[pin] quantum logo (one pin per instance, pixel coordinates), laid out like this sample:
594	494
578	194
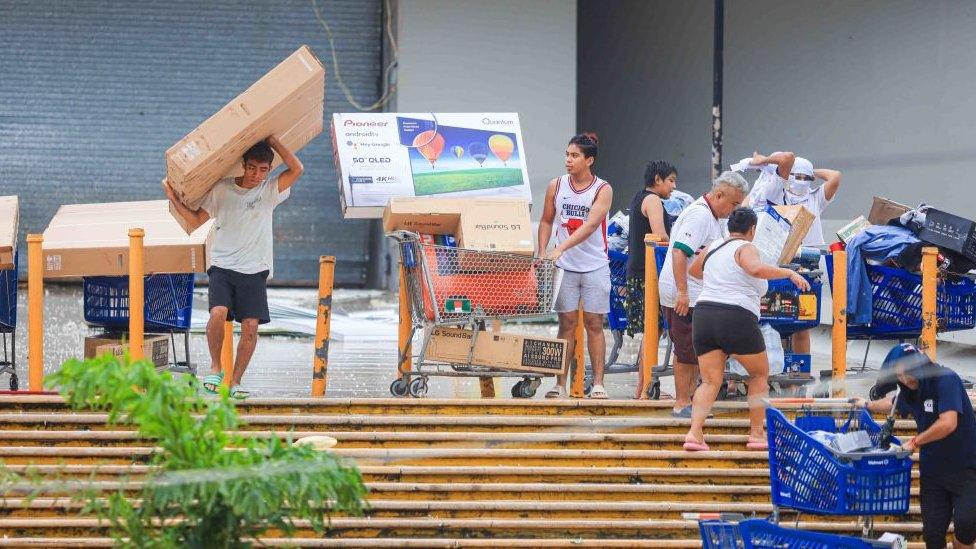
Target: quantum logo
489	122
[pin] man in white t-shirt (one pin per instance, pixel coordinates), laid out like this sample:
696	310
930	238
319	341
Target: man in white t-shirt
697	226
787	179
242	256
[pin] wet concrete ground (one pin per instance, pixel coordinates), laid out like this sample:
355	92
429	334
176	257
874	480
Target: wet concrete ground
282	365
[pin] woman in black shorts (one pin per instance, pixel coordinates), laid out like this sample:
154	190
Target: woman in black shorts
726	322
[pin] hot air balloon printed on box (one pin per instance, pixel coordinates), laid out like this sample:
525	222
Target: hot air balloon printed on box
479	152
430	144
457	151
501	146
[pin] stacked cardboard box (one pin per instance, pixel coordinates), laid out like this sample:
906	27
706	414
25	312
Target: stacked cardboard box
287	102
9	211
154	347
93	240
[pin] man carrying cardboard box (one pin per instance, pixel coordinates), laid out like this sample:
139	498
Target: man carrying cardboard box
580	201
786	179
242	256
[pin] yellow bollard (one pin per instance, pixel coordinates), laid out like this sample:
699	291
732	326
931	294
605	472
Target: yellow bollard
930	320
320	361
137	294
577	390
403	335
839	330
227	353
652	311
35	313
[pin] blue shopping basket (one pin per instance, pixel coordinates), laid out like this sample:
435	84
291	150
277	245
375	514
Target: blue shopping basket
762	533
805	475
617	318
8	297
169	301
787	323
897	304
720	534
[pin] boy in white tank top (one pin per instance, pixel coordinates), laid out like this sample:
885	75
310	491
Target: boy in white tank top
578	203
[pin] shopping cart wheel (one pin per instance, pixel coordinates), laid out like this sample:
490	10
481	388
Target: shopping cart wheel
418	387
654	391
517	389
14	382
398	388
525	388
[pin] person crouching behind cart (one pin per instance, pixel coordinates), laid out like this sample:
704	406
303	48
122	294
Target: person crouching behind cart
579	204
935	396
726	322
242	254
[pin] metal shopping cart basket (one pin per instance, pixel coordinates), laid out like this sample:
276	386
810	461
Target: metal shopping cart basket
449	286
168	307
756	533
8	323
809	476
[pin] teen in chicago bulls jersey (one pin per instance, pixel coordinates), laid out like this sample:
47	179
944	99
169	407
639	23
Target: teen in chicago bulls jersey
577	204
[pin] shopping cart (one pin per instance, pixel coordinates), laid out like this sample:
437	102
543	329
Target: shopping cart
168	307
809	476
897	307
8	323
449	286
755	533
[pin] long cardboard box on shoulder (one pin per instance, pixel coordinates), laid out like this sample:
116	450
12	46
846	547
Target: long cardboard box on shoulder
9	212
93	240
287	102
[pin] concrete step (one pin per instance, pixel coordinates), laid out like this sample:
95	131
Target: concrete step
411	423
486	528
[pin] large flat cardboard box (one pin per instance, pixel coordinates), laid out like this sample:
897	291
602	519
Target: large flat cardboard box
154	347
498	350
780	232
9	212
484	224
93	240
884	210
288	102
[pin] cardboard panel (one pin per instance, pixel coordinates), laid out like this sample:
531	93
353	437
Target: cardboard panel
499	350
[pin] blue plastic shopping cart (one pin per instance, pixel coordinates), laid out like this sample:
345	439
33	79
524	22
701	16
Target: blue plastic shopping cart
168	307
8	323
755	533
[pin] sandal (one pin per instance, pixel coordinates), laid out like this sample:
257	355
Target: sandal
753	443
598	393
238	393
694	446
212	383
557	392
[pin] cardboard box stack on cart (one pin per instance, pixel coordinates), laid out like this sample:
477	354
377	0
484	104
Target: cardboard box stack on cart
287	102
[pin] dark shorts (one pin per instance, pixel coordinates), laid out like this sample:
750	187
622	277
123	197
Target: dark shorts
727	328
948	498
244	295
679	330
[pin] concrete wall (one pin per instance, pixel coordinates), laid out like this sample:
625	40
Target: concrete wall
498	56
881	90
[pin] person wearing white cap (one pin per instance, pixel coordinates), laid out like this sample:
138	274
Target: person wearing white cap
787	179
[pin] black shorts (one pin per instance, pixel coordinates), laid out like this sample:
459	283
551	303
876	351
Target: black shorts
727	328
945	498
244	295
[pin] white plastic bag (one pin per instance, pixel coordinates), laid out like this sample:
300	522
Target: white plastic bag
774	351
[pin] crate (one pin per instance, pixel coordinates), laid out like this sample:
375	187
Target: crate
168	301
8	297
762	533
897	304
805	475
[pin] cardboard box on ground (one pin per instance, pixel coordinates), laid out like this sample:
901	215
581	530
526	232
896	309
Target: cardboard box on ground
9	212
287	102
155	347
93	240
481	224
498	350
780	232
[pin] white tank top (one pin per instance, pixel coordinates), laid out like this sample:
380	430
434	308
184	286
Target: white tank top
726	282
572	209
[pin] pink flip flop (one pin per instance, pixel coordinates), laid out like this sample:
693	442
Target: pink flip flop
692	446
757	444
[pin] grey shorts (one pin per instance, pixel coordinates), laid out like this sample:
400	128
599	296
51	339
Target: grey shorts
593	287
